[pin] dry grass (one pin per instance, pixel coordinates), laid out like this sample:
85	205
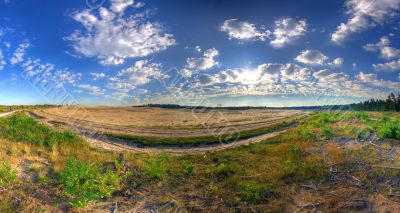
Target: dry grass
156	122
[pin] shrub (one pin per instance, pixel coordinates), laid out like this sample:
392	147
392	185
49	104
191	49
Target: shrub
305	133
327	133
254	192
188	167
83	182
157	168
389	129
223	171
21	128
8	174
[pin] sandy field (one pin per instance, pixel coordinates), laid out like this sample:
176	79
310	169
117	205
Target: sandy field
149	121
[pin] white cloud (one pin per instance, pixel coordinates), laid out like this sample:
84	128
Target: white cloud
204	63
327	75
389	66
2	60
286	30
19	53
186	73
113	38
93	90
365	14
97	76
337	62
241	30
46	73
142	72
119	6
383	48
311	57
206	79
373	79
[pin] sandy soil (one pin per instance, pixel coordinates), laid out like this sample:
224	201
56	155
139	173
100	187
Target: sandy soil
164	122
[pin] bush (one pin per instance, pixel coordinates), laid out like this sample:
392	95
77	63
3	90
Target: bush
157	168
327	133
254	192
389	129
83	182
21	128
8	174
188	167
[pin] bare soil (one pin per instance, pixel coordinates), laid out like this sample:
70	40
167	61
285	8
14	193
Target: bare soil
157	122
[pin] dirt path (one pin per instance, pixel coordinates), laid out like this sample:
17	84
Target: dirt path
7	114
115	144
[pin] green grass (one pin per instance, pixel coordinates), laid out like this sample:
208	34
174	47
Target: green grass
83	182
209	139
21	128
8	175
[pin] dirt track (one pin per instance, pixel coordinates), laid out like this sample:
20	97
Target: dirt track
110	143
156	122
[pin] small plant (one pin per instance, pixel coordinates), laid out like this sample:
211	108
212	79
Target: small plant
188	167
327	133
8	174
83	182
305	133
254	192
157	168
21	128
389	129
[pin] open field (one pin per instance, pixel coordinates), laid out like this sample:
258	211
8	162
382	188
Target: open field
331	162
167	126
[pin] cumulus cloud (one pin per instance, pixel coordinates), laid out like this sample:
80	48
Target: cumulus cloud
119	6
92	90
365	14
142	72
389	66
383	48
327	75
19	53
186	73
373	79
311	57
204	63
242	30
112	37
337	62
97	76
2	60
286	30
47	73
206	79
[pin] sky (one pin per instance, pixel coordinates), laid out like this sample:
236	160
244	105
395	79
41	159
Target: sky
198	52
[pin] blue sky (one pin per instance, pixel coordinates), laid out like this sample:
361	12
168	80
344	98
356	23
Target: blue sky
229	53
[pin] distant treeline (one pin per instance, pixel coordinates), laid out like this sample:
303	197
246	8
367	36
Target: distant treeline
392	103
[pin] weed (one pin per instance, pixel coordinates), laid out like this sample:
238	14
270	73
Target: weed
254	192
188	167
157	168
83	182
327	133
8	175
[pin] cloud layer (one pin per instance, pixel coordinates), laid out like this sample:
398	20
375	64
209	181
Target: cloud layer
112	37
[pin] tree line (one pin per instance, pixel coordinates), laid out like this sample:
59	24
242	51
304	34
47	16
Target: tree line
391	103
